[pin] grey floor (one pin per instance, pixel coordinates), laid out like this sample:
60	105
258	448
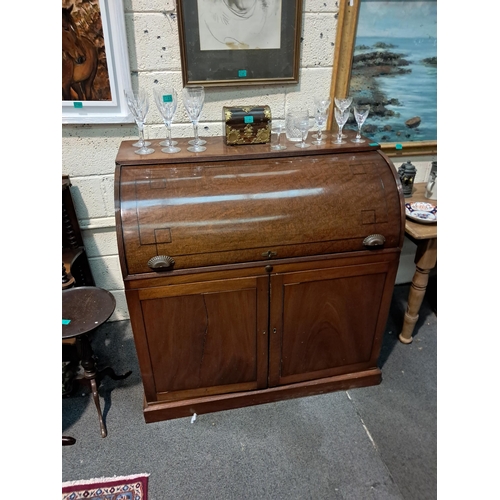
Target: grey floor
371	443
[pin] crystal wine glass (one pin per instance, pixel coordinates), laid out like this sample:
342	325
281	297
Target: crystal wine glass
320	116
138	104
277	126
172	142
302	123
341	118
360	114
194	97
343	104
166	102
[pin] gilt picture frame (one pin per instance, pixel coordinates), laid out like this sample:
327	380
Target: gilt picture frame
239	42
100	97
398	133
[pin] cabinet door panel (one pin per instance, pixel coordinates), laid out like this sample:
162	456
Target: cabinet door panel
204	343
328	324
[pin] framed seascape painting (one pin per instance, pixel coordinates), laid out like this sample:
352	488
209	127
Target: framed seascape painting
239	42
95	68
387	58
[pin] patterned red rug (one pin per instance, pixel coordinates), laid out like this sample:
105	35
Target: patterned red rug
107	488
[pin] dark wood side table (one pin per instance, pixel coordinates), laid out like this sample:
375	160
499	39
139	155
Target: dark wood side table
84	309
425	237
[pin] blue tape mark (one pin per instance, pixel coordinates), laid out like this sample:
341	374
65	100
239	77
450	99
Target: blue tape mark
242	73
373	143
167	98
66	321
248	119
399	146
77	104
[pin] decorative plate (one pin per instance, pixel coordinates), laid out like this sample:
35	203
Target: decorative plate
421	211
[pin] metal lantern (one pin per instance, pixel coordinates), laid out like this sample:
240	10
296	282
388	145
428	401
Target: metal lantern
407	173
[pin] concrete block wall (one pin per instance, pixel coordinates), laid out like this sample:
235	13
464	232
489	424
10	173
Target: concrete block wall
89	151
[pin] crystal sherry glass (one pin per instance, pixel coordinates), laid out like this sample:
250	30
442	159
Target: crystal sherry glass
166	102
302	123
277	127
138	104
360	114
320	116
341	118
194	97
343	104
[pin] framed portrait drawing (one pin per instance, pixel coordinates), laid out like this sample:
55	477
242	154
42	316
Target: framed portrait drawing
239	42
95	68
386	56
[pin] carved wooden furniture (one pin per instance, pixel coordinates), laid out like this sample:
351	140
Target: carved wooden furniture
254	275
425	236
75	264
84	309
75	270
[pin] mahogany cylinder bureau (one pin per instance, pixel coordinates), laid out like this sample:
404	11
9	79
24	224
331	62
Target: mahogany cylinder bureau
254	275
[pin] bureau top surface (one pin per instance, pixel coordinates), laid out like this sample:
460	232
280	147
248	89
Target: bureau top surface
217	150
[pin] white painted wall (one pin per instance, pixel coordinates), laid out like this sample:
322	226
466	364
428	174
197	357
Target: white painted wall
89	151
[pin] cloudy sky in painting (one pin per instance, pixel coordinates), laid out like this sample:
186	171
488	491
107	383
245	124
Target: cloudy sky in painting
398	18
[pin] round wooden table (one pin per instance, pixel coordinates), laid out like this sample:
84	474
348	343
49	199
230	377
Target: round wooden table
84	309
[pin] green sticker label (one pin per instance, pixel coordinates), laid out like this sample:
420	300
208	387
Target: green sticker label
66	321
248	119
167	98
399	146
373	143
78	104
242	73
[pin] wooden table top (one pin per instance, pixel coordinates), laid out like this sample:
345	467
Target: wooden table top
86	307
415	229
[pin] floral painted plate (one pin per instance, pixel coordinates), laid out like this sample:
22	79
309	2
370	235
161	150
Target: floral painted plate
421	211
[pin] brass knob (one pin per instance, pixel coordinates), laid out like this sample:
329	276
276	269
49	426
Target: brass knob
374	240
161	262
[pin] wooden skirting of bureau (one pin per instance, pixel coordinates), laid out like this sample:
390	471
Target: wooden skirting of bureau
254	275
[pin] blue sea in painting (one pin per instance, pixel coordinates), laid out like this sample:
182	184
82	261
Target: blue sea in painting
416	91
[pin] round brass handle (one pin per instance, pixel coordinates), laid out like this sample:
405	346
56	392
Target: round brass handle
161	262
374	240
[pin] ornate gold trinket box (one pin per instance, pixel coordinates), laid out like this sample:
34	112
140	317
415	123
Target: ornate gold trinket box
246	125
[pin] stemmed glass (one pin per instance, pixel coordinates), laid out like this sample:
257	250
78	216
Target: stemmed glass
341	118
138	104
343	104
360	114
320	116
166	102
302	123
194	97
277	127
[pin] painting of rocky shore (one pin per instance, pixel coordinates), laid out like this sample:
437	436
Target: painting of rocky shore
394	70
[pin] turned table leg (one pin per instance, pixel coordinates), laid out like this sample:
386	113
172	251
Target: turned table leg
425	260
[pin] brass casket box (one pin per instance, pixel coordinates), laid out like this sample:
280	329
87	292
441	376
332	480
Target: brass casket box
246	125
